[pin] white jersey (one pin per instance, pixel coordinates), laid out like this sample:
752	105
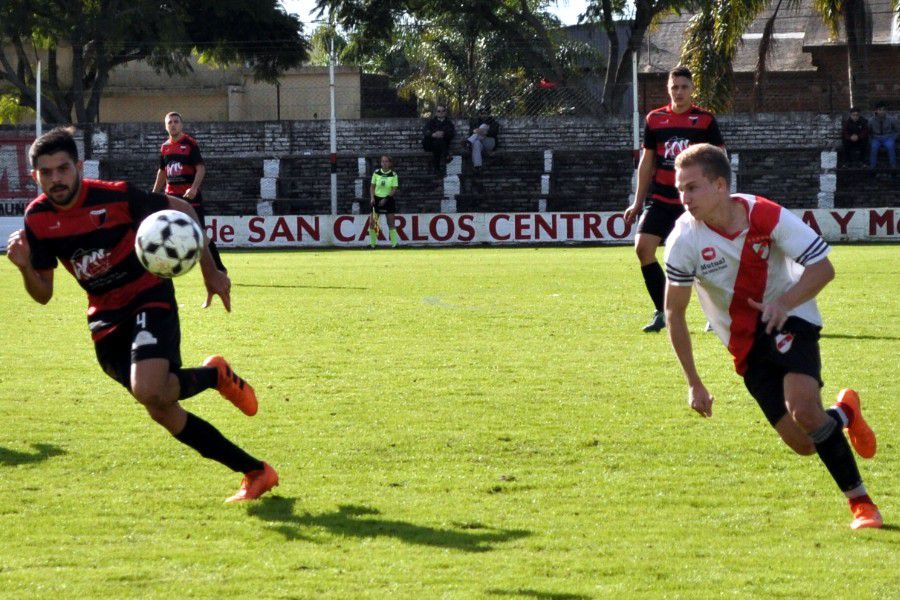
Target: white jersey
761	262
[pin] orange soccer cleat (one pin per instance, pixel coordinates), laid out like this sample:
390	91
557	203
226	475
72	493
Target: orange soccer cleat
256	483
861	435
865	514
233	388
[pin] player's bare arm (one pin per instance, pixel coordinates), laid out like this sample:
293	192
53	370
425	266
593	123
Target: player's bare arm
217	283
199	174
38	284
815	277
677	298
646	167
160	184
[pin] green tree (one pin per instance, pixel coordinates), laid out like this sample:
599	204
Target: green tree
643	14
320	44
713	35
463	52
710	44
83	40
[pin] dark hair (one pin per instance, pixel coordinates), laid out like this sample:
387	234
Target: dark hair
854	109
681	71
880	106
56	140
712	160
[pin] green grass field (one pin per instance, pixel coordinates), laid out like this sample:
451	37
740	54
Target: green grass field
453	423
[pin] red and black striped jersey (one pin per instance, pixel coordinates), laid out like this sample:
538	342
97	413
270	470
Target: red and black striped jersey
179	160
94	240
667	133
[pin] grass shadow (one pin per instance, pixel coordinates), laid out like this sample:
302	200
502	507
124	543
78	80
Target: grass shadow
847	336
526	593
364	522
11	458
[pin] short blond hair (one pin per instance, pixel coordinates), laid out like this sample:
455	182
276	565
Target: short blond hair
712	161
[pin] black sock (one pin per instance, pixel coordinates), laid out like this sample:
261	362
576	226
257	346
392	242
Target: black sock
655	280
835	452
194	381
210	443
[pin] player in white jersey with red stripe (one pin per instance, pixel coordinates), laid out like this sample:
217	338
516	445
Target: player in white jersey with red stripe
757	269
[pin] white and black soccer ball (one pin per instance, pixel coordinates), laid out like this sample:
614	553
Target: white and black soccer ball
168	243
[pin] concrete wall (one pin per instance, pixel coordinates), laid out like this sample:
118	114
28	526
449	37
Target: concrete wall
271	139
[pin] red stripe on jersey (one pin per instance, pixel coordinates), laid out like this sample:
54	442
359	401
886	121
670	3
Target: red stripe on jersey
81	220
119	297
751	280
113	186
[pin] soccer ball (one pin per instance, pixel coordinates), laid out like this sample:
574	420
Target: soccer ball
168	243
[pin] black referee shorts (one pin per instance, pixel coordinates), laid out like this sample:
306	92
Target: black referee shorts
389	206
659	218
794	349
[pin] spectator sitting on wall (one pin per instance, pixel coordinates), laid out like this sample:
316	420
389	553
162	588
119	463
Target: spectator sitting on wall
483	140
855	138
438	134
883	131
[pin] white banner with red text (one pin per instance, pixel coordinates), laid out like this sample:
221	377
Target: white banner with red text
460	229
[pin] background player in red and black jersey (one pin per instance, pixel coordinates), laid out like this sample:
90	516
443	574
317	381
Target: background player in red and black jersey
668	130
90	227
181	172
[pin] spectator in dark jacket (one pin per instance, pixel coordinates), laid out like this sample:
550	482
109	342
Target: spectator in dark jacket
883	131
855	136
438	134
485	130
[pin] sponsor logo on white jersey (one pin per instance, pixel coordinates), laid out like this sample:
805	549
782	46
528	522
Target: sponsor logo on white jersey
708	253
88	264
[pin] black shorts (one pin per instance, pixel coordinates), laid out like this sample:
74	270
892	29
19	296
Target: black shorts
198	208
659	218
389	207
151	333
795	349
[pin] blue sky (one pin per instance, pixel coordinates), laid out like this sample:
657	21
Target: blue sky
566	10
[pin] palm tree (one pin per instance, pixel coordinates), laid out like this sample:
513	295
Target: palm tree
711	41
714	33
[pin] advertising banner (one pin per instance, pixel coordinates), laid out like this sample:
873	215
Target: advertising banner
462	229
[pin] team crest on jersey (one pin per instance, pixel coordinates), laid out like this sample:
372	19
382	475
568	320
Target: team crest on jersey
708	253
761	249
783	342
675	146
88	264
98	217
693	119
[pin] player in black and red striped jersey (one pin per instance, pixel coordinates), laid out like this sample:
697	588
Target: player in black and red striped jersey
90	227
181	172
668	130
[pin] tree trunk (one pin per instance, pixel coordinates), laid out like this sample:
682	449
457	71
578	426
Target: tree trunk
642	19
759	76
858	38
612	55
